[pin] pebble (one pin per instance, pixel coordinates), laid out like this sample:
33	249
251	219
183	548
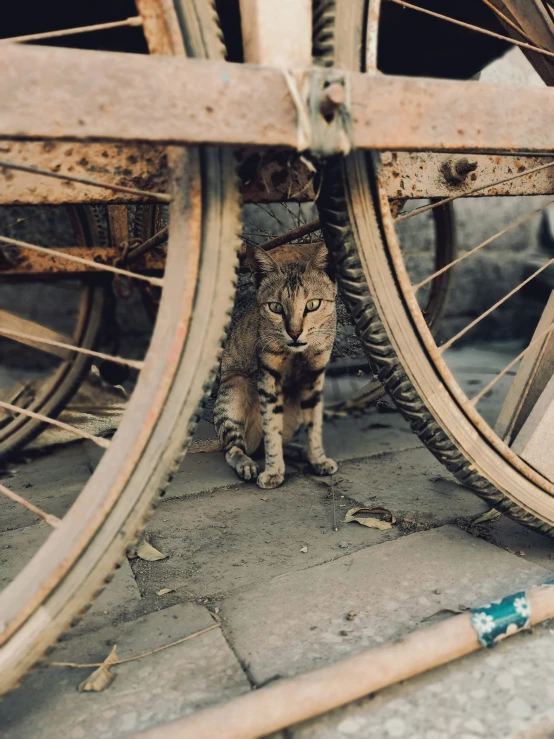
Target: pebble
343	544
395	727
519	708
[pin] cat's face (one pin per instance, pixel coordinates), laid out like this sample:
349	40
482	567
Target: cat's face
297	303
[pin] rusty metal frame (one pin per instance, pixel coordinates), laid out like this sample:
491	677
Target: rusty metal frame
192	101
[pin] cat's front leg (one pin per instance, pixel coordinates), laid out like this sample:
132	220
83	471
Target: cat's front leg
311	403
271	405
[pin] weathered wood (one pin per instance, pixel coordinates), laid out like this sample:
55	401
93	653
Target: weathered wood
440	175
534	372
535	441
29	265
277	34
12	322
103	95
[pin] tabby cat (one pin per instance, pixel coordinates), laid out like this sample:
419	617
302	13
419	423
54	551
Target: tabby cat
273	367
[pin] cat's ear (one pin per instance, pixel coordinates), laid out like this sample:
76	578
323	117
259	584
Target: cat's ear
259	261
319	259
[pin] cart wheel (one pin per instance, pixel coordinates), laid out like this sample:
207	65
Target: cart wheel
382	294
61	579
46	384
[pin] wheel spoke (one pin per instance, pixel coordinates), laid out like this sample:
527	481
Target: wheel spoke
133	21
486	313
540	337
161	196
515	224
507	20
478	29
34	340
34	334
50	519
481	188
79	260
104	443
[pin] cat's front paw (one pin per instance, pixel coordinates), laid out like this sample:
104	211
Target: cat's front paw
269	479
247	469
326	467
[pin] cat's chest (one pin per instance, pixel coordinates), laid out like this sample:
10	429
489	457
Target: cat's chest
294	374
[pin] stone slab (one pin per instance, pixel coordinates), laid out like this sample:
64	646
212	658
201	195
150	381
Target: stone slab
413	485
151	691
500	694
349	438
51	482
231	539
297	622
118	601
234	538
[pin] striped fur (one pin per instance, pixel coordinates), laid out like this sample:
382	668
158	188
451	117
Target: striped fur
273	368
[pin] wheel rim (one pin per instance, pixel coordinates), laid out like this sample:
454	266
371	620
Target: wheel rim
78	557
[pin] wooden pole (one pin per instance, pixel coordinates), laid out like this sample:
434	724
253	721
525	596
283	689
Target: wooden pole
291	701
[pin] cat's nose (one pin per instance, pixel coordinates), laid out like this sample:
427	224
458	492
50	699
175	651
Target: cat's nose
294	334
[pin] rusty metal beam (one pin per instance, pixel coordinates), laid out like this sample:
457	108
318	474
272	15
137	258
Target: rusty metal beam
32	264
107	96
141	166
434	175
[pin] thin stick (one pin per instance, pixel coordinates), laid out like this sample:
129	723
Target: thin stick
425	208
79	260
150	243
506	20
50	519
139	656
449	343
161	196
290	701
135	363
469	26
133	21
297	233
509	366
515	224
104	443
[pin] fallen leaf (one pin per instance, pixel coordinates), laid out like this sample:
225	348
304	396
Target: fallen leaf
165	591
442	612
371	522
146	551
101	677
304	550
491	515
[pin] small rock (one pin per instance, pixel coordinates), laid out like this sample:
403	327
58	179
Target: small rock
438	591
519	708
304	550
342	632
395	727
351	615
343	544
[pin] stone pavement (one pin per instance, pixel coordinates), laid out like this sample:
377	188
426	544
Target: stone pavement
270	566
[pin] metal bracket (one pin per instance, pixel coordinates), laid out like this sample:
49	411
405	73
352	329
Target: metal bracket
329	113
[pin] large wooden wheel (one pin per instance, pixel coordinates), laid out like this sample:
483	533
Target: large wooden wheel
504	457
79	555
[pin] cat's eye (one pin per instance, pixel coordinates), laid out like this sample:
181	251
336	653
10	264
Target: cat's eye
313	304
275	307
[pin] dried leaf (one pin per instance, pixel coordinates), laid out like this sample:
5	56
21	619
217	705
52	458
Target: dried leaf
442	612
101	677
146	551
304	550
165	591
371	522
491	515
